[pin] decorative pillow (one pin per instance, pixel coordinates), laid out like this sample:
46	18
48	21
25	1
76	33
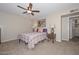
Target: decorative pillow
35	30
44	30
40	30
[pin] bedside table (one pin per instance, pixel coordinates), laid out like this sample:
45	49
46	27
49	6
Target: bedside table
51	36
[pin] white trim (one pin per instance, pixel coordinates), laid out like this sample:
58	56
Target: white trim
58	40
2	41
66	39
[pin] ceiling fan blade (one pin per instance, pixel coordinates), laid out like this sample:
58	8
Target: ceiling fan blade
30	6
24	12
32	14
35	11
21	7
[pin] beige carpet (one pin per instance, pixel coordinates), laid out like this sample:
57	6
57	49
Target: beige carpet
42	48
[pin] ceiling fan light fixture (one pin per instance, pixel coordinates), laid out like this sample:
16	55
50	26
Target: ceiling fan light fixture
28	11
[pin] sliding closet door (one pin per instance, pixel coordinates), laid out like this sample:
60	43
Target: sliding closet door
70	28
65	28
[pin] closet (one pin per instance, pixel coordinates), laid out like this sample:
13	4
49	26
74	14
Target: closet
75	26
69	26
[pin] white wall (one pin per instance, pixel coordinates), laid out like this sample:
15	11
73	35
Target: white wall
12	25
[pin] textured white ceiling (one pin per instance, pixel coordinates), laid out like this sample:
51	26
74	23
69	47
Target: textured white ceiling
45	8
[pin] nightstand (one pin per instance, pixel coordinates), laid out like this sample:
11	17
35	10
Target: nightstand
51	36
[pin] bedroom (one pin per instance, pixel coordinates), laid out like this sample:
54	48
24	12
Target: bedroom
13	23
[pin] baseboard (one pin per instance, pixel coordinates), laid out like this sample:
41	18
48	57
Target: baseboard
8	40
65	40
58	40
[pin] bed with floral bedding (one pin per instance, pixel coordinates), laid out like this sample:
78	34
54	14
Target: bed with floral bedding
32	38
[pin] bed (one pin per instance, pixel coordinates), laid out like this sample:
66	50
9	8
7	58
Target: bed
32	38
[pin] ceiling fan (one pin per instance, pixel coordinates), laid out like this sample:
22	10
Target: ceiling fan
29	9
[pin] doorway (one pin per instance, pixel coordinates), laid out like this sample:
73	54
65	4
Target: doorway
70	28
74	28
